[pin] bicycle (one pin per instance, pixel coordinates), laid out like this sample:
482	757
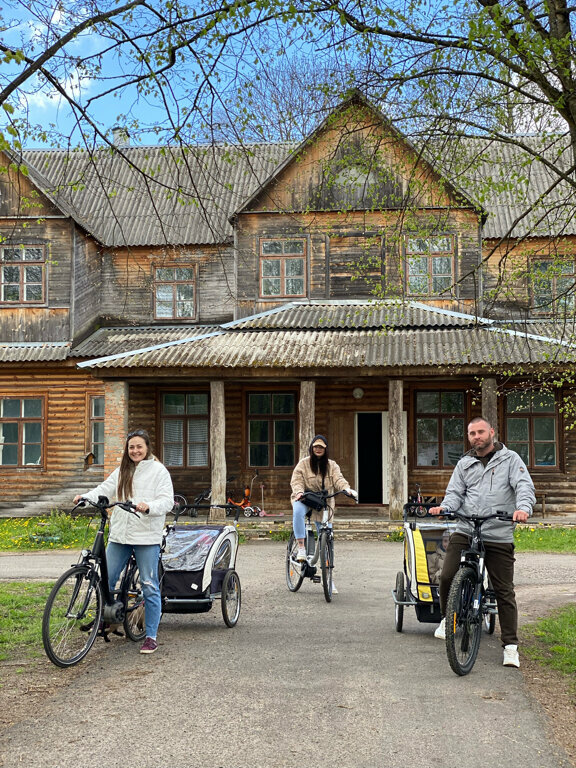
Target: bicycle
80	606
418	499
319	546
471	602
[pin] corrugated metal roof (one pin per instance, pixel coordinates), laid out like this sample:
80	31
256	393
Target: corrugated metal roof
26	352
347	335
142	196
348	349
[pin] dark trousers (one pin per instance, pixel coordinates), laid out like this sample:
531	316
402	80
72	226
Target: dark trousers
500	566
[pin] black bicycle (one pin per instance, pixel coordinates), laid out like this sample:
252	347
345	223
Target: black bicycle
471	602
319	546
81	606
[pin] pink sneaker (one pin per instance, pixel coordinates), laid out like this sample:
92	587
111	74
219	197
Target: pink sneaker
149	645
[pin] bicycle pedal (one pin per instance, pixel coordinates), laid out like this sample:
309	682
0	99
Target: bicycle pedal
316	579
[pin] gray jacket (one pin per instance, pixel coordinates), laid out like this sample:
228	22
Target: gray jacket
503	484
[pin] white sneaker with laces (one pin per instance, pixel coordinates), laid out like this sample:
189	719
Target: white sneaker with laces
440	631
334	590
511	658
301	554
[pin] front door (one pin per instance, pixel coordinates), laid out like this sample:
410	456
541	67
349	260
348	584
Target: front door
372	457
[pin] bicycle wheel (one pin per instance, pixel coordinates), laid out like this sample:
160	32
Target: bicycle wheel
133	598
231	598
294	570
463	622
72	616
327	563
421	512
400	596
179	502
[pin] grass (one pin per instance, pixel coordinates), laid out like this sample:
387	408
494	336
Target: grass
55	531
21	606
551	641
543	538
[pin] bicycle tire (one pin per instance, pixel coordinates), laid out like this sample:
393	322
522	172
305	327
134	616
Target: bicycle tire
179	502
72	616
421	512
231	598
133	598
294	571
327	563
400	595
463	622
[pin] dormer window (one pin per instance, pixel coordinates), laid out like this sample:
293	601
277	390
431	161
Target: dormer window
429	265
22	274
282	268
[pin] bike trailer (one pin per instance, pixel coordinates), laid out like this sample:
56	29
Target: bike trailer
417	583
194	562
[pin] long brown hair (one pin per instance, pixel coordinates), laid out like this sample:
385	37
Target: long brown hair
127	466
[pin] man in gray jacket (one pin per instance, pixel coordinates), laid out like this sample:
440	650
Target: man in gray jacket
489	477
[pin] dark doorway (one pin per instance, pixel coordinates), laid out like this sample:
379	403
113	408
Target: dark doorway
369	444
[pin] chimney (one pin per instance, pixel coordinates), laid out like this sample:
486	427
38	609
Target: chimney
120	136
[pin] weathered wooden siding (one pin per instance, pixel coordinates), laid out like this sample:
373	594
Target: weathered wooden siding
128	294
19	197
51	321
66	394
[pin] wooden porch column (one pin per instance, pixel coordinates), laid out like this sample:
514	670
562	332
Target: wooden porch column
396	468
116	421
307	416
490	403
218	448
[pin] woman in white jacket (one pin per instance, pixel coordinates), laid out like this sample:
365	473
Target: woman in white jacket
146	482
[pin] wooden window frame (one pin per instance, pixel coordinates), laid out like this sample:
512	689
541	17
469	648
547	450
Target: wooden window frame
429	255
21	265
186	419
271	418
174	284
557	304
533	416
283	258
21	420
440	416
92	420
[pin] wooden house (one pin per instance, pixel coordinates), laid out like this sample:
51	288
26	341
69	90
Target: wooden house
235	301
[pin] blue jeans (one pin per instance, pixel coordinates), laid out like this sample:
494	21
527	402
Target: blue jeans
147	556
299	510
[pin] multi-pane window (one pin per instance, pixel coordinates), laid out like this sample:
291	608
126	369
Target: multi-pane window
184	417
532	427
21	428
271	429
440	428
429	265
553	284
22	274
97	428
175	293
282	268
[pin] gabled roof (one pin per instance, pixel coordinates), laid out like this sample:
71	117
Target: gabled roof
358	99
340	334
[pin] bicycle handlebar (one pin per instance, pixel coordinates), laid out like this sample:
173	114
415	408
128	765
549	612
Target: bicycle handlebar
331	495
477	519
104	503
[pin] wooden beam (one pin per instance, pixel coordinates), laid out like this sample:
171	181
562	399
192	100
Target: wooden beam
396	443
490	402
218	448
307	416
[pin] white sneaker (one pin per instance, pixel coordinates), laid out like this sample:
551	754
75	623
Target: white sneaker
334	590
301	555
440	631
511	658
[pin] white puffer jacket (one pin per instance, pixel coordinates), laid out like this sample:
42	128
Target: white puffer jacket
151	484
